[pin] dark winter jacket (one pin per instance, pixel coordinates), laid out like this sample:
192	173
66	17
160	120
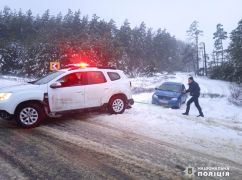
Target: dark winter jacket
194	89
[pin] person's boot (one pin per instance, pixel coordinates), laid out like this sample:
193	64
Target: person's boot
200	115
185	113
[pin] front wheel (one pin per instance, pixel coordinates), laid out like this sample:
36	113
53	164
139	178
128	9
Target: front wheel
29	115
116	105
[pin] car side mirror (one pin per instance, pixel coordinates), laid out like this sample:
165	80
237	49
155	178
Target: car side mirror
55	85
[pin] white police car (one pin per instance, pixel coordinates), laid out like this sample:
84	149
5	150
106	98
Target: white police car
69	89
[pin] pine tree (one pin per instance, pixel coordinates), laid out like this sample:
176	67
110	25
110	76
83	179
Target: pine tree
219	36
193	33
28	43
235	49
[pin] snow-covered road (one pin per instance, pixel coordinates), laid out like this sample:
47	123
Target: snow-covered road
154	135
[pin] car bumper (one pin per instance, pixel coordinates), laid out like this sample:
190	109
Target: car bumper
168	103
5	115
6	106
130	101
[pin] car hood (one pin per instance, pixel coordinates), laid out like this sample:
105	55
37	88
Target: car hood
167	93
21	87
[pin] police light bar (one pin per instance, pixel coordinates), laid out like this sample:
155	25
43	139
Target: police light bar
80	65
85	65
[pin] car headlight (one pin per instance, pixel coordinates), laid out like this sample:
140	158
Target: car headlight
174	99
5	96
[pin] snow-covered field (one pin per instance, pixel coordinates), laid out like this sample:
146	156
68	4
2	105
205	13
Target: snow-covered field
218	134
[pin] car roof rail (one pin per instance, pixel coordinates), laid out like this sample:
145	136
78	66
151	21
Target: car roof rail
104	67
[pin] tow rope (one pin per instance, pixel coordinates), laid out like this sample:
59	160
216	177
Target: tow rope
143	103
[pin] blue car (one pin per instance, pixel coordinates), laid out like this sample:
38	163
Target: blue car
170	94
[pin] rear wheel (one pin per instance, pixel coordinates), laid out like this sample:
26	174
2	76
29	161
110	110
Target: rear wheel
117	105
29	115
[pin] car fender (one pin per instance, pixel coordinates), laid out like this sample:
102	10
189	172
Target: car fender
18	98
108	96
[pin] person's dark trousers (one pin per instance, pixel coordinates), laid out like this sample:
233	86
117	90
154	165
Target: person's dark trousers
195	100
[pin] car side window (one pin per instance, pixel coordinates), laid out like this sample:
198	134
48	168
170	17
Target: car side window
73	79
95	77
113	76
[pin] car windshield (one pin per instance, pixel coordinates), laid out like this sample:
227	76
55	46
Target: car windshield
170	87
48	78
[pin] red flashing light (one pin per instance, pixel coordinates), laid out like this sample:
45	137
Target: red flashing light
76	66
83	65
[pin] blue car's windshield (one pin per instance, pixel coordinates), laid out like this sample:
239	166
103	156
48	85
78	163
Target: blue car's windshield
48	78
170	87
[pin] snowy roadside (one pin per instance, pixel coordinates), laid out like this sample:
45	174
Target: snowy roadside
201	134
214	95
219	133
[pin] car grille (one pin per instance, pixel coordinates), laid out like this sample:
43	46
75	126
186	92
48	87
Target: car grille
165	98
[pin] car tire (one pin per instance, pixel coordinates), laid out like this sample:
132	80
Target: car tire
117	105
29	115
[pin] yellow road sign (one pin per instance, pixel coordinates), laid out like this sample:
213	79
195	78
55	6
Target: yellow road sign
54	66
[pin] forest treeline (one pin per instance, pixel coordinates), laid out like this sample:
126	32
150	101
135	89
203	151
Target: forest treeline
28	43
229	67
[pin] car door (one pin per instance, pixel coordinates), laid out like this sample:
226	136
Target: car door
95	88
70	95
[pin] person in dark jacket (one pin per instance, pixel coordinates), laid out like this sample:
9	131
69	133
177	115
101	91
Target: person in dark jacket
194	91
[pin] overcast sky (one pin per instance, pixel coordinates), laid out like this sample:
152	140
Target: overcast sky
173	15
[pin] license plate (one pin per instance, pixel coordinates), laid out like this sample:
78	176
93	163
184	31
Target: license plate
163	101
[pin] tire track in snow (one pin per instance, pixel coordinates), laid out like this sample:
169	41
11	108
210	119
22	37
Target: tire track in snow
151	147
44	153
155	141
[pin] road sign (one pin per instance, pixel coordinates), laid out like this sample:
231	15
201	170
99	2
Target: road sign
54	66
